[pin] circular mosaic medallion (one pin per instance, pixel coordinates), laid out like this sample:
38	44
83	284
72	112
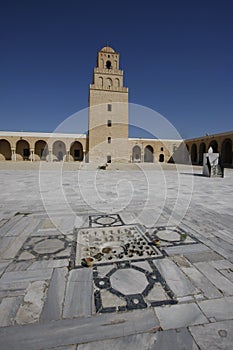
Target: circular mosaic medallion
168	235
106	220
48	246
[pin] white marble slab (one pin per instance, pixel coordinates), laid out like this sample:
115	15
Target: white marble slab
53	305
202	282
177	316
8	309
219	309
79	294
214	336
175	278
218	280
79	330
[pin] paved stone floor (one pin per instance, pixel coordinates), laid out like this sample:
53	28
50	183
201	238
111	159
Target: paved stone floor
135	257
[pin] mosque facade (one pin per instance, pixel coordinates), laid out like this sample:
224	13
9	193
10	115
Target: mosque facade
107	139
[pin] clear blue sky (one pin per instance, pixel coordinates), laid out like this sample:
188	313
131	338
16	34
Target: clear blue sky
177	56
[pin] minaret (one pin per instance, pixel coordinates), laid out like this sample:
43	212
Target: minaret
108	110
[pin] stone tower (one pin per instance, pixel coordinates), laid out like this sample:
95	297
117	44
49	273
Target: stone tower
108	111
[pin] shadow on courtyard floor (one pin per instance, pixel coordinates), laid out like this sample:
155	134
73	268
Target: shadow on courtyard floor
193	174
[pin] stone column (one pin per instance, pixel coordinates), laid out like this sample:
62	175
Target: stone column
84	156
67	156
32	155
142	155
13	154
50	155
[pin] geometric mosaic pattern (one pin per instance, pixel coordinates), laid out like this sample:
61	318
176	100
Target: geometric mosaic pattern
124	275
105	220
128	286
46	247
169	236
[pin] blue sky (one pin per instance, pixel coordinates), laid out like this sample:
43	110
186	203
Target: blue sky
177	56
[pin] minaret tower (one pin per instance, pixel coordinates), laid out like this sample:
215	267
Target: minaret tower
108	110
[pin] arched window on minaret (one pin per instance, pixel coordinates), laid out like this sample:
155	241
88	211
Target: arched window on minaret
117	82
109	64
101	81
109	82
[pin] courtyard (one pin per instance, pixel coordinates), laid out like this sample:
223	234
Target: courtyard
138	256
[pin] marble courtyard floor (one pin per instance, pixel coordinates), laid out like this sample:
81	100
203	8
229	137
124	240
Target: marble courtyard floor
134	257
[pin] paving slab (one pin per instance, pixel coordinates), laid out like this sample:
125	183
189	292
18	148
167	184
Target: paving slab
177	316
175	278
204	256
20	226
8	310
10	245
179	339
218	280
79	330
19	266
221	264
214	246
228	274
181	261
17	277
67	347
214	336
202	282
48	264
187	249
218	309
30	310
3	266
53	306
9	224
79	294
